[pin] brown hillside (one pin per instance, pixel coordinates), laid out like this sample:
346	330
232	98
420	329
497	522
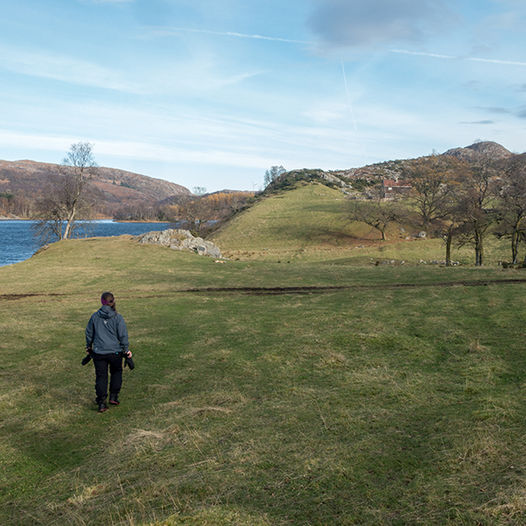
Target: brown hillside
110	188
398	169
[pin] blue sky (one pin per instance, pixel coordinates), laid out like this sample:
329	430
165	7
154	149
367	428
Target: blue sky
213	92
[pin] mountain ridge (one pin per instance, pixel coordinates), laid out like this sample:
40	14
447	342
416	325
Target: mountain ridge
394	169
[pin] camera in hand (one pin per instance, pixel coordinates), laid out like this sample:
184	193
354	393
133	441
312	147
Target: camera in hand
128	361
86	358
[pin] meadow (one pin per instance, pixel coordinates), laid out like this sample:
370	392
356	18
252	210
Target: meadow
398	399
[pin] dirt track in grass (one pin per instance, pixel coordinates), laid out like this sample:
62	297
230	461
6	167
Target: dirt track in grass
260	291
327	289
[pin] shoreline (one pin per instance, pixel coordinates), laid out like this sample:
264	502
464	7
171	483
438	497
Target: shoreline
138	221
98	219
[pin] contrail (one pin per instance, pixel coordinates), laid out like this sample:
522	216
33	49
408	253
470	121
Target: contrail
497	61
420	53
348	95
172	30
452	57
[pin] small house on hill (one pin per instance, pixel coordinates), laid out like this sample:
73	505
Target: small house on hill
392	188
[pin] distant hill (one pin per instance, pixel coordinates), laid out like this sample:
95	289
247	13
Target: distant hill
396	169
399	168
110	188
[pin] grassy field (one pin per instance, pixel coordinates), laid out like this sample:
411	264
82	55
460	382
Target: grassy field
311	223
374	404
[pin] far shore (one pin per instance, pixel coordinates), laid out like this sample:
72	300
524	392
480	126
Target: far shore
3	218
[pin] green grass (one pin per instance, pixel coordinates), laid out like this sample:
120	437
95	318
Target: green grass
371	405
310	216
311	222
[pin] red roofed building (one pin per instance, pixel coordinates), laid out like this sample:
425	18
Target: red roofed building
392	188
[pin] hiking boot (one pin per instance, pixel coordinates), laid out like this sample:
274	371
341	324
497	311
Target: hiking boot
102	407
114	399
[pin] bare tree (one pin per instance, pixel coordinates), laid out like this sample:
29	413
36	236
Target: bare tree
474	201
199	190
449	223
378	214
65	199
272	174
512	206
433	180
436	182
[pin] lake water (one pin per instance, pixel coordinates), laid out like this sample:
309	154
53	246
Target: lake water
17	242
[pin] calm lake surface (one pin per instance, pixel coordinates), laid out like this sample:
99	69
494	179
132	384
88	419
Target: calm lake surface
17	242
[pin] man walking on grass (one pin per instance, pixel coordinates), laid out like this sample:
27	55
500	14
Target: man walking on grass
107	343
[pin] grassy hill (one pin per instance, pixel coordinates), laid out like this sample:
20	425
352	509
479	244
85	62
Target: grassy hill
311	222
309	217
373	404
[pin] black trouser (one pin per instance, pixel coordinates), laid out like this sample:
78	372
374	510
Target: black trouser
101	362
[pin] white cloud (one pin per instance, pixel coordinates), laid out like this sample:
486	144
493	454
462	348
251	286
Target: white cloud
203	73
64	69
136	150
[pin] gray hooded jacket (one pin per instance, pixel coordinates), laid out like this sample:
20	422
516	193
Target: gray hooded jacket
106	332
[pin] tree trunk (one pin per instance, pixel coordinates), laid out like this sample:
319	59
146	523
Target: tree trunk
449	239
515	240
479	249
383	235
514	245
69	223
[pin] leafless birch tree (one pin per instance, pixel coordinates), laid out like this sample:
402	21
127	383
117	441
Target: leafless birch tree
65	199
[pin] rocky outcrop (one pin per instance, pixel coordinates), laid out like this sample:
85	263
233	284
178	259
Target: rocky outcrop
488	149
178	239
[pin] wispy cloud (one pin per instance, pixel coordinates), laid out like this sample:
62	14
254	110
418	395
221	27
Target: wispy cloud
63	68
517	112
109	1
478	122
170	31
137	150
185	76
495	109
453	57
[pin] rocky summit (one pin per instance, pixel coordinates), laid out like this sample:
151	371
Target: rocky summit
488	149
179	239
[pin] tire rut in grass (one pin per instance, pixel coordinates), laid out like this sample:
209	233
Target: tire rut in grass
257	291
269	291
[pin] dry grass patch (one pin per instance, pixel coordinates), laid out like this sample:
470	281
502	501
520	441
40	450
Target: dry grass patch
215	515
85	494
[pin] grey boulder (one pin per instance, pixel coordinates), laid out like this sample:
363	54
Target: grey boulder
179	239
